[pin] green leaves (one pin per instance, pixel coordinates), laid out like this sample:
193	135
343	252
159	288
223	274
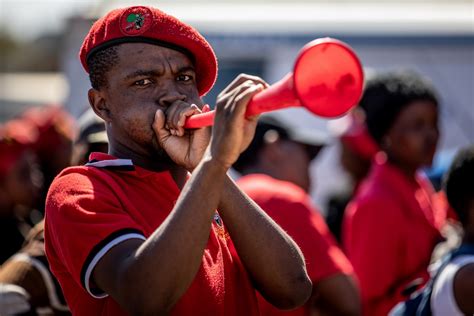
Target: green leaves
131	18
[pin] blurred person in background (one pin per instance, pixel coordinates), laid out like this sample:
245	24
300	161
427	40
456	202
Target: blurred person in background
450	290
357	149
391	226
275	170
92	138
29	288
453	288
56	132
20	182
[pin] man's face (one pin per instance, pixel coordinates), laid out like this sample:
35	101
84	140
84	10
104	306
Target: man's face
146	78
23	182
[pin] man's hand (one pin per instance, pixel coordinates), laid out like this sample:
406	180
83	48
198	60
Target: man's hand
232	131
185	147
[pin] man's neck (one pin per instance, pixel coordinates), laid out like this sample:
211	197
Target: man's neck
153	163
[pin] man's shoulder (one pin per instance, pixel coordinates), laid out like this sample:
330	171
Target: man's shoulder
76	182
262	185
78	176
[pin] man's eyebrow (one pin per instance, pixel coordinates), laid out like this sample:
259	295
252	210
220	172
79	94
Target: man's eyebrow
186	68
142	73
153	73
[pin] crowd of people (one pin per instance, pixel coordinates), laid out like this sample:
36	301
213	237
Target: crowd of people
124	211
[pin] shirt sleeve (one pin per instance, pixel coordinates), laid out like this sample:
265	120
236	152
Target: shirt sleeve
84	220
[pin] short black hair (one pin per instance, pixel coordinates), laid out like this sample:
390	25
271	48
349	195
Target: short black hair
459	183
99	64
385	95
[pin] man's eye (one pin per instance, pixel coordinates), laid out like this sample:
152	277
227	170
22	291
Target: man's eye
143	82
184	78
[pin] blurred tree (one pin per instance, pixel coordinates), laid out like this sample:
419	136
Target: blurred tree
38	55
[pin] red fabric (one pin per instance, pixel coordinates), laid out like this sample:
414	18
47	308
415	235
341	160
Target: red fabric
16	136
53	124
358	138
292	209
389	232
87	204
119	24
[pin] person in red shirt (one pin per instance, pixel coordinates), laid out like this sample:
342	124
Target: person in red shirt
276	176
56	130
391	227
20	183
156	226
357	149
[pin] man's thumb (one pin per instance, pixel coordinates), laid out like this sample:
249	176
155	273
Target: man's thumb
159	125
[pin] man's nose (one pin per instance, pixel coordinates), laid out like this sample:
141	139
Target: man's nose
170	96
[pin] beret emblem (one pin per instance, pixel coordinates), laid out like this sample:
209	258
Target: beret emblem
136	21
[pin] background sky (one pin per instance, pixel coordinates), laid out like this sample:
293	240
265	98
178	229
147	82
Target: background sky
26	19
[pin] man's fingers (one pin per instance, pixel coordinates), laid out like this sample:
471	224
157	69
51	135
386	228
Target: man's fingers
183	115
159	126
174	116
242	99
206	108
226	100
241	79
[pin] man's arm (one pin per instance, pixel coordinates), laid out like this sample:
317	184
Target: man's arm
149	277
272	258
464	288
337	295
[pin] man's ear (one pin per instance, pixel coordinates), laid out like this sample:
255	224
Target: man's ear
98	104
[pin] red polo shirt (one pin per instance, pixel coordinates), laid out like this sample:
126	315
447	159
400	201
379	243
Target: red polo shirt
291	207
92	208
389	232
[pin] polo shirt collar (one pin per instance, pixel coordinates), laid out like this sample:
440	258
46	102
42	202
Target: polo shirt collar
101	160
109	162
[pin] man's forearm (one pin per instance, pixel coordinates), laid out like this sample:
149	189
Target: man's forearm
272	258
170	258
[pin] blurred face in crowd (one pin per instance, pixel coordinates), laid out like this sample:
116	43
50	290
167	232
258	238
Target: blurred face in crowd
291	162
412	139
356	165
146	78
54	163
22	183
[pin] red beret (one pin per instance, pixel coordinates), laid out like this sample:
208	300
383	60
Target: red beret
150	25
55	126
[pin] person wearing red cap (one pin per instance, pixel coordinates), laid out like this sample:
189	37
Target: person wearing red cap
19	184
357	149
53	147
391	226
280	185
133	231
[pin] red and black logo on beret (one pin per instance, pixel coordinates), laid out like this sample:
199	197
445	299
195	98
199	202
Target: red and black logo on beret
136	20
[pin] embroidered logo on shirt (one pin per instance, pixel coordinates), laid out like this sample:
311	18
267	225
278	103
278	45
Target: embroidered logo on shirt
218	220
220	227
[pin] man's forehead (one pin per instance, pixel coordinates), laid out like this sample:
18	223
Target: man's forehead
145	55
